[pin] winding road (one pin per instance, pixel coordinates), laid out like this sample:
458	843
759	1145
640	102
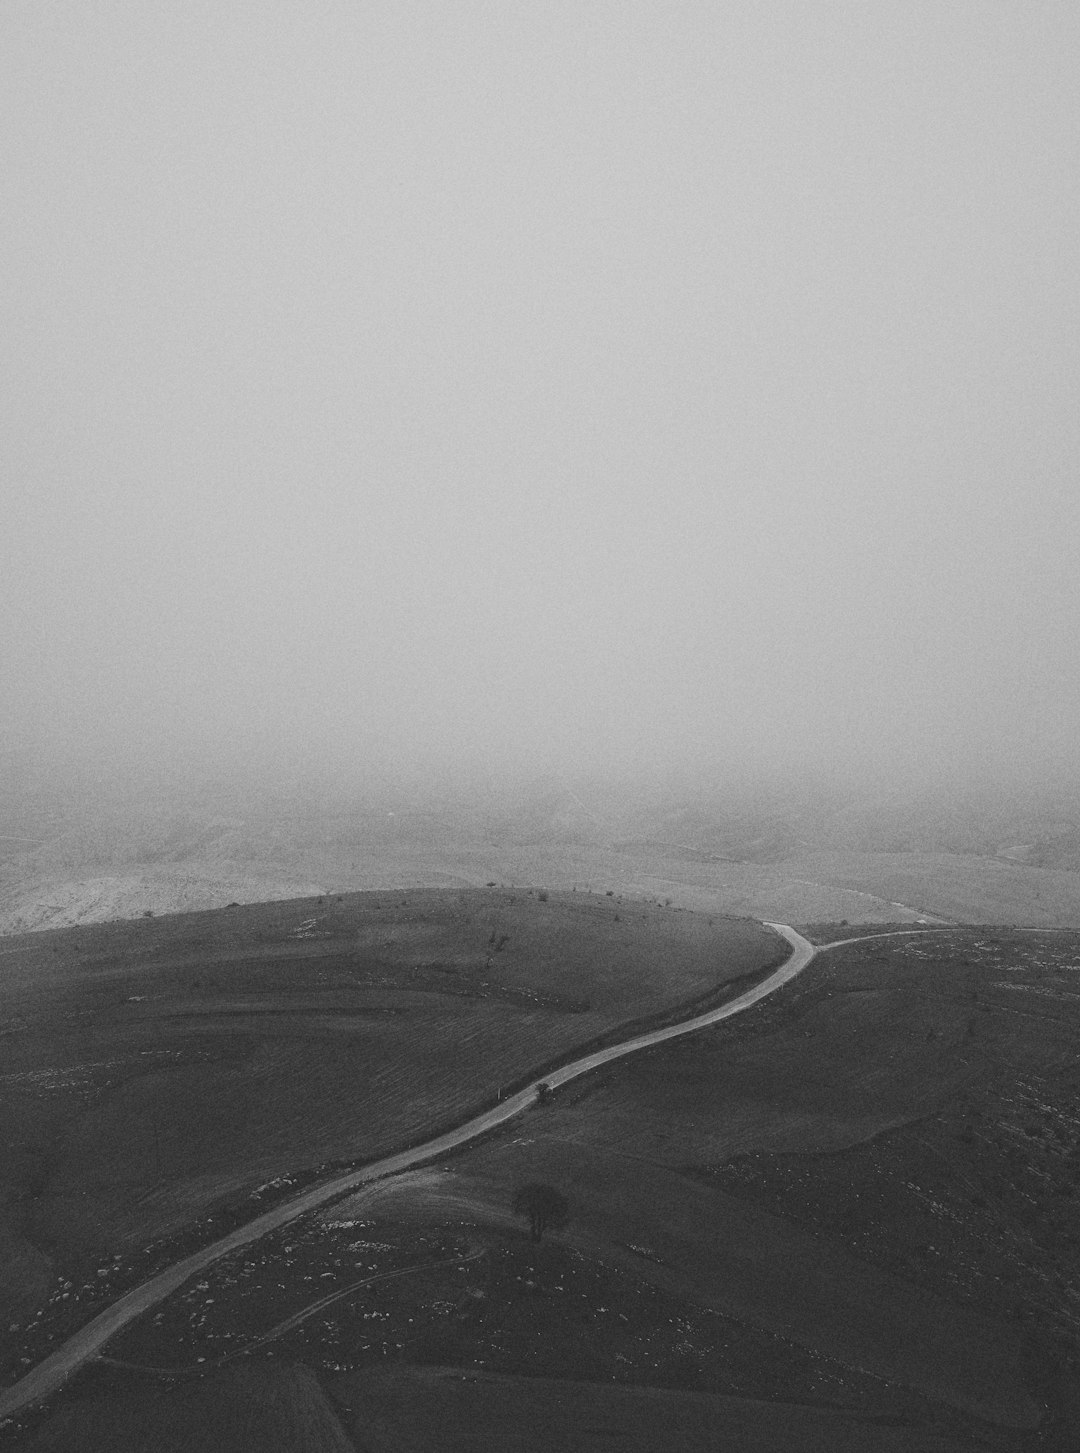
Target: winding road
54	1370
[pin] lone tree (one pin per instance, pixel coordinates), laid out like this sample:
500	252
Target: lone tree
544	1207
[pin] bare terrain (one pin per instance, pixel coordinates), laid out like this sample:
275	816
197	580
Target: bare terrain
68	860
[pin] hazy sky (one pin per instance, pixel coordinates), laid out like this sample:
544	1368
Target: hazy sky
584	381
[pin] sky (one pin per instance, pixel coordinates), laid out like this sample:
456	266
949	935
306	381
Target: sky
543	383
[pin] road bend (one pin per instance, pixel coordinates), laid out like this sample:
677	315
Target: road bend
49	1374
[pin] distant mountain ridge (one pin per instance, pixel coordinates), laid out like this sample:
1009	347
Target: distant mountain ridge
873	858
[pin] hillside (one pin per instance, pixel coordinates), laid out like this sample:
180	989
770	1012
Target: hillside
845	1220
155	1074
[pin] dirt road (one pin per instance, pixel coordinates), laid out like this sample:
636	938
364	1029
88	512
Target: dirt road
50	1373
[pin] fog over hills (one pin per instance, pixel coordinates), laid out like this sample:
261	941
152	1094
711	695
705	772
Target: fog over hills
557	389
811	855
557	521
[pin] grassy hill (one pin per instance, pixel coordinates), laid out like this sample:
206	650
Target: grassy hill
845	1220
156	1072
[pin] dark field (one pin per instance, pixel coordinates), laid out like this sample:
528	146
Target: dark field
846	1220
156	1071
888	1151
257	1408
